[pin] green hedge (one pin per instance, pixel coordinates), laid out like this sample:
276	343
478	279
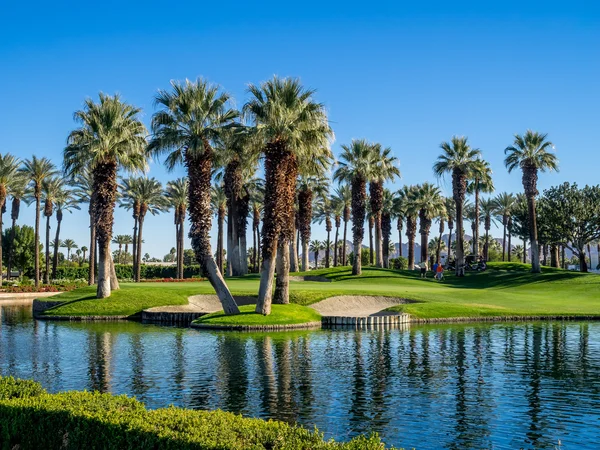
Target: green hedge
90	420
125	271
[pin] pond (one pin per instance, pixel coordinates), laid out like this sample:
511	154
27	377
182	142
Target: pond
522	385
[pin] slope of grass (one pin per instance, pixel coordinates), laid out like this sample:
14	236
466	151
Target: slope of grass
280	315
504	289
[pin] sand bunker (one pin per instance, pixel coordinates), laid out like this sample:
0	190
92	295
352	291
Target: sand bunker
357	306
203	303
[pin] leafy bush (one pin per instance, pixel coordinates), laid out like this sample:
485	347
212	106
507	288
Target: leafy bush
32	419
125	272
400	263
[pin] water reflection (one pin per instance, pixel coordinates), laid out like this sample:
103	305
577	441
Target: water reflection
461	386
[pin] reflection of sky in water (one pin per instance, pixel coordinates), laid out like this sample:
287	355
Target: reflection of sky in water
459	386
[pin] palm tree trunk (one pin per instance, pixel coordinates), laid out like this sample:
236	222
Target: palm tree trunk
114	281
504	222
554	256
371	251
254	250
47	255
181	246
13	232
486	249
138	263
134	247
509	247
57	240
335	245
438	252
199	175
176	247
399	227
345	241
476	222
92	255
459	186
316	259
305	262
298	246
258	249
293	252
220	220
36	265
524	250
281	295
583	267
411	224
450	228
359	194
378	242
563	257
327	249
2	202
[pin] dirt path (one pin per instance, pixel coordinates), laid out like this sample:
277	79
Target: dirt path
357	306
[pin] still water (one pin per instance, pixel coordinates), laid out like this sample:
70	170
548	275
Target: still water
528	385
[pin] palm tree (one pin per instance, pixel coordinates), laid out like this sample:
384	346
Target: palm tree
428	204
387	211
51	188
65	201
371	220
256	204
343	196
78	253
531	153
191	119
111	137
504	204
17	190
450	217
315	247
177	195
354	168
83	182
436	245
459	159
488	210
9	175
130	200
219	204
69	244
399	212
36	170
384	167
120	241
323	213
84	249
295	133
237	158
337	209
408	193
308	187
481	182
151	199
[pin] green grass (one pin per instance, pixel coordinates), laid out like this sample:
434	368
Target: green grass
280	315
504	289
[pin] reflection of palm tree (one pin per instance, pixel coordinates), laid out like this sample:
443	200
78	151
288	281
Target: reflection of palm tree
233	372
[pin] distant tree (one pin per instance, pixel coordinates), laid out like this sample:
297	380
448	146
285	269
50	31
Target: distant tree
575	215
22	243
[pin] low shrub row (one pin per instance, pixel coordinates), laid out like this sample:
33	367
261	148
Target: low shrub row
125	271
30	418
57	287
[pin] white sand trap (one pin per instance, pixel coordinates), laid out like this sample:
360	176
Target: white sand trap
357	306
203	303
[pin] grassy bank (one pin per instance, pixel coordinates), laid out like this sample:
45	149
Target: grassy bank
505	289
30	418
280	315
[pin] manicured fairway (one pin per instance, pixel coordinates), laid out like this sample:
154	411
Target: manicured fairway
505	289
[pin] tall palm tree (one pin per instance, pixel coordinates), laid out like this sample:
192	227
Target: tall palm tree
294	130
83	183
337	209
120	241
192	117
408	193
219	203
450	218
428	204
131	200
51	188
531	152
481	182
343	195
151	199
237	158
323	213
177	196
308	188
17	190
69	244
36	170
315	247
488	210
384	167
256	204
354	168
84	250
399	212
65	201
504	204
9	175
111	137
459	159
387	212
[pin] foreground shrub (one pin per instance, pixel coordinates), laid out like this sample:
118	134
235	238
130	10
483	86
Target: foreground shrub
400	263
75	420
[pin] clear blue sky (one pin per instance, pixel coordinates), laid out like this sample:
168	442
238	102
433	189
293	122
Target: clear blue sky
408	76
